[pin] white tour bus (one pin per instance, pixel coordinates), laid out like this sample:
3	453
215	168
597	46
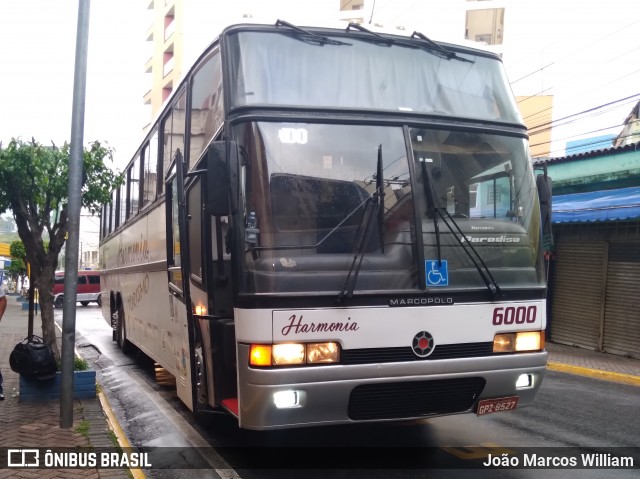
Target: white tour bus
331	226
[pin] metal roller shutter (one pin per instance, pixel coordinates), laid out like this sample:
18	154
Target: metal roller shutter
578	292
622	308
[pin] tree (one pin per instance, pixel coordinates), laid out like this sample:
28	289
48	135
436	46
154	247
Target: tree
34	186
18	267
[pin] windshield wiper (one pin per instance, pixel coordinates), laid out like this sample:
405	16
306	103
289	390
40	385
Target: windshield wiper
434	212
379	38
485	273
373	203
439	50
431	205
309	37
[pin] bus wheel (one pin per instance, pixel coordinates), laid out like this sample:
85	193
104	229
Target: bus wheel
84	303
121	336
59	301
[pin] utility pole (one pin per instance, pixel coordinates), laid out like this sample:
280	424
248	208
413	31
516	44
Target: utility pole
73	222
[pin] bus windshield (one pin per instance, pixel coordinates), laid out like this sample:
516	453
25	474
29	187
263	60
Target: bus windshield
307	189
276	68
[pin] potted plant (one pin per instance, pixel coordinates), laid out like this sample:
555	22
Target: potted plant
84	384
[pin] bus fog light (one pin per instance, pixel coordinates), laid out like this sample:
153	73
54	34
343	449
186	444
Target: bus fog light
286	399
288	354
524	381
323	353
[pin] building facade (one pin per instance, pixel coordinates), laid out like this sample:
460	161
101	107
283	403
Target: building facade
594	281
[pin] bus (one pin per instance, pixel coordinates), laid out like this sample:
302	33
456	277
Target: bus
333	226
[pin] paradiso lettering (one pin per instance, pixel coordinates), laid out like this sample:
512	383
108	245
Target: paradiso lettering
297	326
141	291
133	253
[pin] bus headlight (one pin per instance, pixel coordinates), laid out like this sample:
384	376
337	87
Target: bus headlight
323	353
518	342
288	354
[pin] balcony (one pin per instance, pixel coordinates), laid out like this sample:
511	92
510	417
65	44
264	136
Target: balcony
169	28
168	66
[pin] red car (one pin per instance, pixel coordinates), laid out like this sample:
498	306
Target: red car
88	288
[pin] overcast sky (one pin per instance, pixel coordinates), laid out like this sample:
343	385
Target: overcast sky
585	57
37	47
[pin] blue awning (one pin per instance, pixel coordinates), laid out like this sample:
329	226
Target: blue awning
606	205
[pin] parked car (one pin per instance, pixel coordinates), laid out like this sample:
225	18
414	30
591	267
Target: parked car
88	288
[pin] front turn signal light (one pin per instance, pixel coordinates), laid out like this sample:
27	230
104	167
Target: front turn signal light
525	341
260	355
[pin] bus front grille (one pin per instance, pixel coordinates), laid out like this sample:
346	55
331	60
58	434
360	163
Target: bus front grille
405	353
414	398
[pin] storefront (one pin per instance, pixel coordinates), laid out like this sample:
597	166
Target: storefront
595	275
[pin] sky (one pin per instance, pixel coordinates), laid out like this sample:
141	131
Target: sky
586	54
37	47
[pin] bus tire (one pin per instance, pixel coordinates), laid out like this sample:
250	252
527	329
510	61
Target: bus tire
84	303
121	336
59	301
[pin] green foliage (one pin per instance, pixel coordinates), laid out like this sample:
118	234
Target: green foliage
40	174
17	250
34	182
17	268
83	428
79	364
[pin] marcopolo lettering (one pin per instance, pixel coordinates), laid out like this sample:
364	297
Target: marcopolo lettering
426	301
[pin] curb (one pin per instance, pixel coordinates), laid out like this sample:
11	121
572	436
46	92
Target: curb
595	373
117	430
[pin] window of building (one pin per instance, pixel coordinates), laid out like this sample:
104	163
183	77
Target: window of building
486	25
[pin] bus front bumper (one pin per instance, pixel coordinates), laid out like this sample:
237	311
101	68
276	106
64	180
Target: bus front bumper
343	394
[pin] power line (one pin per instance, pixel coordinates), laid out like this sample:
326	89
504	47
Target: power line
571	54
586	144
587	111
569	122
579	134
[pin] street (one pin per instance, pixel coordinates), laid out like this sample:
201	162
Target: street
570	412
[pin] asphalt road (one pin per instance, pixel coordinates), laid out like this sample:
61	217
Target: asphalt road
572	415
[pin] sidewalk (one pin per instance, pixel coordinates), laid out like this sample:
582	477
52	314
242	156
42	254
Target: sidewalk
24	425
37	424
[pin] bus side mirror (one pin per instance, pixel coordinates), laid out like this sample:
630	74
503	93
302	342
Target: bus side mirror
222	178
544	184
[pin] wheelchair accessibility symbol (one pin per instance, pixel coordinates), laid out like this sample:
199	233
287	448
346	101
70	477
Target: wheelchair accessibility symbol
437	272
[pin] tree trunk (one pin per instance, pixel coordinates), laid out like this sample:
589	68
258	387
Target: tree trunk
45	286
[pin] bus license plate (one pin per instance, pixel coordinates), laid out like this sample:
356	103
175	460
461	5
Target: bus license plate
488	406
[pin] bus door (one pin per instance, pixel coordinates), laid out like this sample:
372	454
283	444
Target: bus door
180	331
